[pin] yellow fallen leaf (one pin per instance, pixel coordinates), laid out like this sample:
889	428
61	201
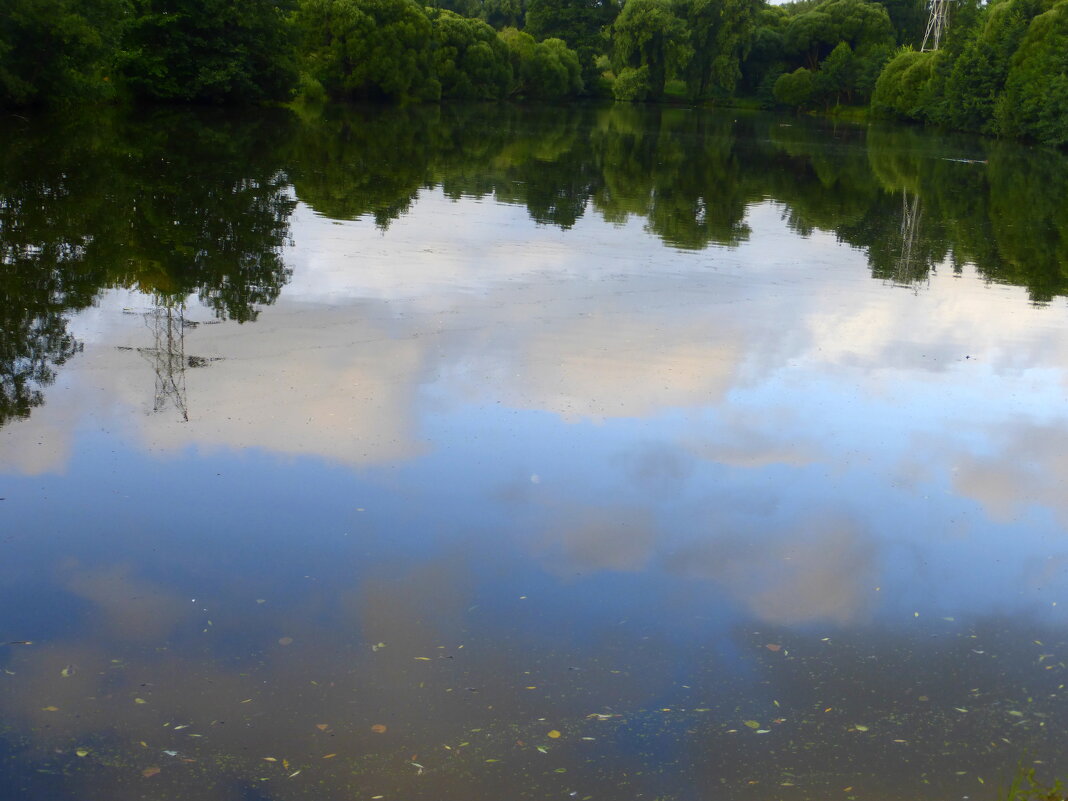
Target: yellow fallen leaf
329	756
423	658
554	734
50	709
269	759
148	773
140	701
322	726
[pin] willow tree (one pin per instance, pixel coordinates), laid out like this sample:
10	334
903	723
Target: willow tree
721	34
649	35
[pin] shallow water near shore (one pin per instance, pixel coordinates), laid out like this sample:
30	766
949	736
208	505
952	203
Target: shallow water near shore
479	452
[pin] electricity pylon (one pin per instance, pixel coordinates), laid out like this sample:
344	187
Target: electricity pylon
908	272
937	25
167	356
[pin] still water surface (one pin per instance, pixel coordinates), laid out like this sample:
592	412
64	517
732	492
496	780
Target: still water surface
486	453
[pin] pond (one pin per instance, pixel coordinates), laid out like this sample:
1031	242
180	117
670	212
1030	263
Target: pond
482	452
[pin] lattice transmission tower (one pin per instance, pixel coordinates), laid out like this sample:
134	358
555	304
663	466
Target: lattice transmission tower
909	271
937	25
167	355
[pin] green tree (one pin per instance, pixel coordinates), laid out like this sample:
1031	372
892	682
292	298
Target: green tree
767	57
582	24
503	13
368	49
909	19
648	34
721	34
542	70
213	51
861	24
904	86
1035	102
838	76
977	77
632	85
795	89
57	50
470	60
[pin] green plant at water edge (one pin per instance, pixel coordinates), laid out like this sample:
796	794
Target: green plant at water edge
1025	787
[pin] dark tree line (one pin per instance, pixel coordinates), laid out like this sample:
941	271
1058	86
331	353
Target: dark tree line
1002	69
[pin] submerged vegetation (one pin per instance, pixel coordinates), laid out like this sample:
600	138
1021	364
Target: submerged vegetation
1001	70
1026	787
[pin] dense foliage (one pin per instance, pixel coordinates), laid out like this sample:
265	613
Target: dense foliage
1000	70
1004	70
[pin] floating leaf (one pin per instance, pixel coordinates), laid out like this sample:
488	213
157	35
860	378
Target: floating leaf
285	640
1015	713
50	709
752	724
148	773
68	671
322	726
378	728
269	759
82	752
329	756
422	659
140	701
773	647
859	727
543	749
554	734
